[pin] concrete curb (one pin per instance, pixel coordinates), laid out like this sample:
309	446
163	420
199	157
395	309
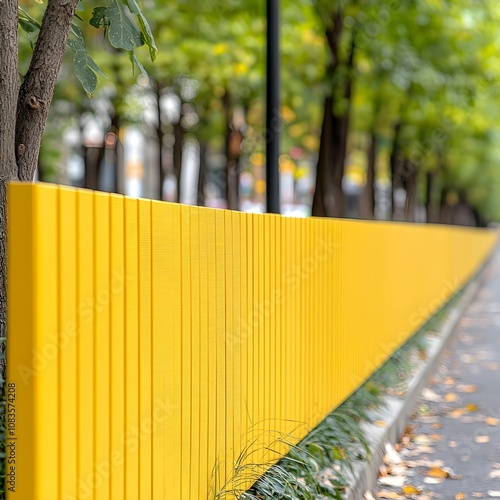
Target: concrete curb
397	412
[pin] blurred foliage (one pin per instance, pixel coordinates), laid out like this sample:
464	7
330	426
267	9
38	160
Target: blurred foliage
430	64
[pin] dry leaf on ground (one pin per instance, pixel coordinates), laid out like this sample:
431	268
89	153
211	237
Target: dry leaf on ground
389	494
396	481
492	421
391	456
433	480
466	388
482	439
410	490
437	472
430	395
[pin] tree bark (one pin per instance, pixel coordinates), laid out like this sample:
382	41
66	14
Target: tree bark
429	193
233	152
202	174
9	87
395	161
35	94
446	210
21	128
411	191
323	202
329	196
177	155
160	134
368	199
92	159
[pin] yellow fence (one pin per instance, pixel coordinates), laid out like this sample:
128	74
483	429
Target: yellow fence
151	345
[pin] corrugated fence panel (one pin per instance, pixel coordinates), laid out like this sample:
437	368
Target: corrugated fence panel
155	349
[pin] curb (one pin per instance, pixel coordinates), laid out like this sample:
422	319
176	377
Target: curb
396	412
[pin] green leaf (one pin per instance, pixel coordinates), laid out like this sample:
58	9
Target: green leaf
85	67
146	32
28	26
98	19
123	33
134	61
26	17
148	36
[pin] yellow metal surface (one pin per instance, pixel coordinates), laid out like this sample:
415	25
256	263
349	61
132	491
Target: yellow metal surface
155	347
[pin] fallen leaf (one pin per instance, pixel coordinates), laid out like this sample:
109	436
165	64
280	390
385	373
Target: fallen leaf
396	481
397	470
437	425
391	456
449	381
452	444
436	437
380	423
472	408
422	439
492	421
456	413
460	496
430	395
450	397
410	490
425	449
437	472
382	471
482	439
466	388
433	480
451	474
389	494
477	494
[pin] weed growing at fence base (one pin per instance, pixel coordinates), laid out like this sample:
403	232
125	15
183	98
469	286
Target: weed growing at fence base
319	466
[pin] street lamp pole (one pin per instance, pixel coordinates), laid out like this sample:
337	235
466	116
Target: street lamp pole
273	109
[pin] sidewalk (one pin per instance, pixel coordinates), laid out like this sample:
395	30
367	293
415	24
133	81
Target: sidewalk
451	447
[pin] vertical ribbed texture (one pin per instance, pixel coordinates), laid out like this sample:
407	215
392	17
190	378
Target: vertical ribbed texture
155	347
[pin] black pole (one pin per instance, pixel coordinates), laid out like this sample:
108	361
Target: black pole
273	109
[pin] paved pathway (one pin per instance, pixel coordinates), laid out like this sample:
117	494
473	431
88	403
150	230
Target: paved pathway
451	449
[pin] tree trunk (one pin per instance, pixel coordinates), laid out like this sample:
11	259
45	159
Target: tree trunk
9	85
160	134
177	156
411	191
93	159
329	195
395	161
234	139
429	192
368	197
202	174
35	94
446	211
323	202
21	128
